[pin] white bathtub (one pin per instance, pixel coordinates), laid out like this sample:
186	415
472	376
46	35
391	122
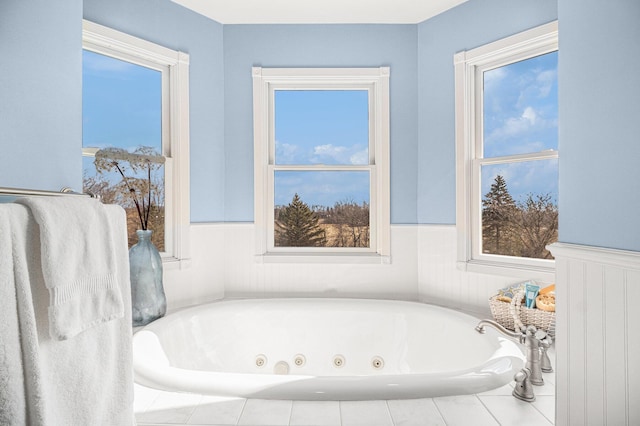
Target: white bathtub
322	349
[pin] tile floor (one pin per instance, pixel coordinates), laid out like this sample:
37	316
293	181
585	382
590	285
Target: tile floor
496	407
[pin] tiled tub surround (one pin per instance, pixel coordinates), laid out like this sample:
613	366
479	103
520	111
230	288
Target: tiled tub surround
322	349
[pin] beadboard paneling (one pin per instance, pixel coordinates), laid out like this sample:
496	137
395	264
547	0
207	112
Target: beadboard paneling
442	283
597	350
245	277
201	279
423	267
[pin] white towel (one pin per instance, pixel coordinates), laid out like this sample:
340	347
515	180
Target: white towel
78	262
21	395
85	380
13	394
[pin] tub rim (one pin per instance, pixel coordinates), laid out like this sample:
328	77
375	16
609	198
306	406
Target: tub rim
156	372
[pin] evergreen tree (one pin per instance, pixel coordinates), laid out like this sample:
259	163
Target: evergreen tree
297	226
498	212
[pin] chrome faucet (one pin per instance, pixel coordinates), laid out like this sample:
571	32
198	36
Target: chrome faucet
534	341
500	328
545	362
523	390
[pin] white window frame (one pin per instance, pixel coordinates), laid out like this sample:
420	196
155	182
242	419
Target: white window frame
174	66
265	82
469	68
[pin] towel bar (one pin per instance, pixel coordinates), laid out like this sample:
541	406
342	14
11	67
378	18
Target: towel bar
22	192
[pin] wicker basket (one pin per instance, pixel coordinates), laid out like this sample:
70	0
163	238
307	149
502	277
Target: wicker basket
504	312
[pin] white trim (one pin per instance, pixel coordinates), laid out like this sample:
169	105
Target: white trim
601	255
123	46
508	269
376	82
468	65
174	66
351	258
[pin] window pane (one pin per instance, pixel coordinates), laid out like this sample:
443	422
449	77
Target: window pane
520	208
321	209
321	127
122	109
520	107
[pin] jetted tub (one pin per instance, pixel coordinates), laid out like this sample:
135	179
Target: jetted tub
322	349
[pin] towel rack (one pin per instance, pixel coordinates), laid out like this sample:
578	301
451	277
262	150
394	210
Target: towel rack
22	192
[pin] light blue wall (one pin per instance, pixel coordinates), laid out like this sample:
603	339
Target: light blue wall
599	92
319	46
40	88
40	94
465	27
172	26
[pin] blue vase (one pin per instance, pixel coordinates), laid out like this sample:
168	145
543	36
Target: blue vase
148	301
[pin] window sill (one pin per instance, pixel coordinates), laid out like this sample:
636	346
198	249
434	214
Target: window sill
334	258
173	263
545	274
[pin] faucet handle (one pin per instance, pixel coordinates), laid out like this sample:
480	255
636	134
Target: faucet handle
522	389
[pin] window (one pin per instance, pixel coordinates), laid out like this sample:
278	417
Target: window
136	109
507	154
321	143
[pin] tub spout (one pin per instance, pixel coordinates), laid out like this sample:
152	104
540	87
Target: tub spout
534	340
500	328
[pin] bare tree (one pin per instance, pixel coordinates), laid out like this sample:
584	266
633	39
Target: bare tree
351	222
521	229
537	224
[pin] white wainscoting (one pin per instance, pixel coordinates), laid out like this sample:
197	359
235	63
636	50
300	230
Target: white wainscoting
598	293
598	330
200	279
442	283
423	267
246	277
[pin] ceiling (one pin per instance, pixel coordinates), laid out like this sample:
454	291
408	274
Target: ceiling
319	11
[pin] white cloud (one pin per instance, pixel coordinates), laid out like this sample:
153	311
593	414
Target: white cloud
330	154
329	150
545	80
285	153
360	157
527	129
494	76
530	115
517	125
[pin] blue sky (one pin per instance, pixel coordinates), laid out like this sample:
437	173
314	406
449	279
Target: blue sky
121	103
328	127
122	108
521	116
